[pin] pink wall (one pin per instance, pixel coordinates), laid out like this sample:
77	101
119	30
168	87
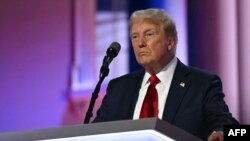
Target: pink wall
244	57
222	40
35	47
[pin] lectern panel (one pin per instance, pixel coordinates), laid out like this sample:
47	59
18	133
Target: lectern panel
150	129
143	135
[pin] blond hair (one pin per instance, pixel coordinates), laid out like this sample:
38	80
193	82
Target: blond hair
156	15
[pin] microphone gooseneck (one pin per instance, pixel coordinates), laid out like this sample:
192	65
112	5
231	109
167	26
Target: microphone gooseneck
111	53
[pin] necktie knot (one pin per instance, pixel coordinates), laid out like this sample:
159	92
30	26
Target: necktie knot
154	80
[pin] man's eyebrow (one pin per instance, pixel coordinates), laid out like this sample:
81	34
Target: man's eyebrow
134	33
147	30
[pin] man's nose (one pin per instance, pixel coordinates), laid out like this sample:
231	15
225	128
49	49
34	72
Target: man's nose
142	42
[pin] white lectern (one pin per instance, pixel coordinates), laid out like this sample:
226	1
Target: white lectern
151	129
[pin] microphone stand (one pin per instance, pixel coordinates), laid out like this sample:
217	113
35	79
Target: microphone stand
103	73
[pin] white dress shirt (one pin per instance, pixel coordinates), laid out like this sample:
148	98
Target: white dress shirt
165	76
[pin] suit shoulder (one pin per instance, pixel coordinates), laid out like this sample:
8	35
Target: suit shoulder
202	73
193	71
132	75
203	77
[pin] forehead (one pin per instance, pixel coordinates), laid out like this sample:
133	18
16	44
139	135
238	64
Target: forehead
143	25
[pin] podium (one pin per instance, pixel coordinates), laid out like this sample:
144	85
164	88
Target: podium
150	129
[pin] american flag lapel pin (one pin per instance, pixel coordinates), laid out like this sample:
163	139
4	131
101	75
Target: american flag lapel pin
182	84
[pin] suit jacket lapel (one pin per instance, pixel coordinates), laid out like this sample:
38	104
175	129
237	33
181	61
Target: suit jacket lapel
135	85
178	88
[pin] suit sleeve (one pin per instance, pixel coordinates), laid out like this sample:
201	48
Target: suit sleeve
216	111
103	111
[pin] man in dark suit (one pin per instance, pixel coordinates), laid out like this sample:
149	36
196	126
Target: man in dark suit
187	97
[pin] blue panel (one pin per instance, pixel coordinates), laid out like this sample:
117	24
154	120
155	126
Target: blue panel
157	3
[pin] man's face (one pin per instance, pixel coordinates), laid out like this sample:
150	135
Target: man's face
150	45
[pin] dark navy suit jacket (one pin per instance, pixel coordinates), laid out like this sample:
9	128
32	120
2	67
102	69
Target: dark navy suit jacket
195	101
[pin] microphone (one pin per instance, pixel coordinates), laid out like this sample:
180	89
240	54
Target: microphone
111	53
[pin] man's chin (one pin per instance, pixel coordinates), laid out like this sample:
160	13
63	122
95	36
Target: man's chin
145	64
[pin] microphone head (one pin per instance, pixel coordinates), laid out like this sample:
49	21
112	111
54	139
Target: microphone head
114	49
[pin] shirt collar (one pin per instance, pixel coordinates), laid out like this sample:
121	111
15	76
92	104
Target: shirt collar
165	74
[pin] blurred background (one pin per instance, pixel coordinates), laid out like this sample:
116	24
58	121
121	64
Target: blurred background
51	53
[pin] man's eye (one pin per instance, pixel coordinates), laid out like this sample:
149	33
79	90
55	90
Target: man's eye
134	37
149	34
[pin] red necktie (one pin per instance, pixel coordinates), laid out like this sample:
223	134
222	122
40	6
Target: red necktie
150	103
